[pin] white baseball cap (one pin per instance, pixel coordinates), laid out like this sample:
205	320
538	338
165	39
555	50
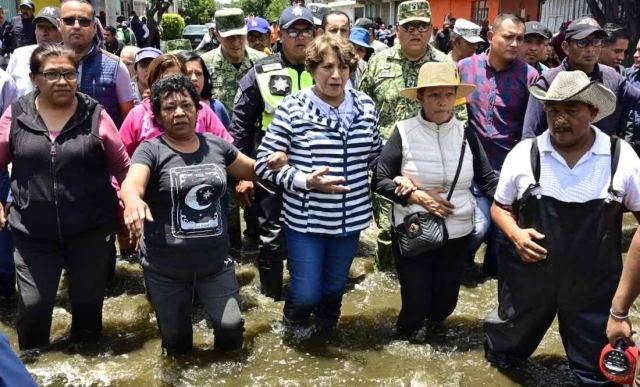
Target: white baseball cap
468	30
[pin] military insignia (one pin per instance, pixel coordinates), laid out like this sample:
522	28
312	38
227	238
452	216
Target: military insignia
237	97
387	66
280	85
387	74
410	83
414	7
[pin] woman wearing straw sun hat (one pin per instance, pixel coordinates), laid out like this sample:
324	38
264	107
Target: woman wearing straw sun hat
442	158
568	189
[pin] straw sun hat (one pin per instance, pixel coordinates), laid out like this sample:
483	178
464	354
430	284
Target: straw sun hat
434	74
575	86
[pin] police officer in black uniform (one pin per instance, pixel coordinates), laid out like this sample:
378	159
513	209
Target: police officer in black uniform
255	105
22	30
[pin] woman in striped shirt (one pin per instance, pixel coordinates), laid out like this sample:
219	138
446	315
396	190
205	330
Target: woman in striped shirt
330	135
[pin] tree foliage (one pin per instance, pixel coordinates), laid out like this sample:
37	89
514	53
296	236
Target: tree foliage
256	7
154	12
274	10
172	26
623	12
200	11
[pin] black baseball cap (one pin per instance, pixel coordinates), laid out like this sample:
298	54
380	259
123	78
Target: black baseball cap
583	27
49	14
536	28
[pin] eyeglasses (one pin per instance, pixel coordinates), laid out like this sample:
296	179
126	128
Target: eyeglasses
294	33
582	43
54	76
421	27
71	21
254	37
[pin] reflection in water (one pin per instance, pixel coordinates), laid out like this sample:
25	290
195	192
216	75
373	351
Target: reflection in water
364	351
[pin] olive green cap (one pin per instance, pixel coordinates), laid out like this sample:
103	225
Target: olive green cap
417	10
230	21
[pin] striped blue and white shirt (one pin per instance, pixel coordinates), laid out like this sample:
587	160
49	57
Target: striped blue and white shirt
349	146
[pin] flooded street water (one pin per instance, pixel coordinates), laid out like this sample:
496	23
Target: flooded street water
362	352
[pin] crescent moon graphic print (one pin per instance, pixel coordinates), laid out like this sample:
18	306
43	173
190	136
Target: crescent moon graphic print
196	192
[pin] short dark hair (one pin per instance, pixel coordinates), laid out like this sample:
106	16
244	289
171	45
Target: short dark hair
191	56
49	50
502	17
323	24
177	83
93	10
111	30
614	32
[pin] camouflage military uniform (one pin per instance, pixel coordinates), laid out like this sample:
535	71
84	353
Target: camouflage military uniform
224	86
224	75
387	73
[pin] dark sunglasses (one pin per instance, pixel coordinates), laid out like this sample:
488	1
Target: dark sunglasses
421	27
71	21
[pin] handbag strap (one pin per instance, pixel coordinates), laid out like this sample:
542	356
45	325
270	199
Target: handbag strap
462	151
455	178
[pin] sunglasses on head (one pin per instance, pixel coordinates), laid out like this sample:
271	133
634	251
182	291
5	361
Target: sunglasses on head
71	21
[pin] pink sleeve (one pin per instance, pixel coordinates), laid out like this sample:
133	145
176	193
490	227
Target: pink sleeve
213	124
128	130
113	147
5	129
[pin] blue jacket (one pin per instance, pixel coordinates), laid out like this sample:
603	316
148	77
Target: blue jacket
12	371
535	120
633	76
99	70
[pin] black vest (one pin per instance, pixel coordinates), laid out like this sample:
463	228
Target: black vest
23	32
62	188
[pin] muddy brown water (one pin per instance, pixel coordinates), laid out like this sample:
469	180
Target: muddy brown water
364	351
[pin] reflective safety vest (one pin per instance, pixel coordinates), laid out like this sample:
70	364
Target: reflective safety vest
276	81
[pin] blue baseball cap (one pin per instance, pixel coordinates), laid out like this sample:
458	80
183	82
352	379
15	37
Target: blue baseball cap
360	36
293	14
258	24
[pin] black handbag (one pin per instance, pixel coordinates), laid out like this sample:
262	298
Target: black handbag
422	232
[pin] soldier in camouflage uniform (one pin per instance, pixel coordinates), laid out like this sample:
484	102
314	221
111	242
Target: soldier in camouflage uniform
227	64
389	72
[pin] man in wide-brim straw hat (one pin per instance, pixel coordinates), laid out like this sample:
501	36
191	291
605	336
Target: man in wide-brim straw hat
568	189
427	149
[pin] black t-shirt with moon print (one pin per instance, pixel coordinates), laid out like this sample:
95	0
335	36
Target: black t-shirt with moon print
184	195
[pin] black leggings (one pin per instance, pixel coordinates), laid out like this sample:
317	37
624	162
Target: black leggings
429	284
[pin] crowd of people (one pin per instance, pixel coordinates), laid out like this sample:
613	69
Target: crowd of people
318	130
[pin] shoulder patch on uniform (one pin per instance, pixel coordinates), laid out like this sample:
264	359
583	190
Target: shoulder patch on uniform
265	68
280	85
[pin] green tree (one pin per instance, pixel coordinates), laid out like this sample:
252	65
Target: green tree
172	26
200	11
274	10
154	12
256	7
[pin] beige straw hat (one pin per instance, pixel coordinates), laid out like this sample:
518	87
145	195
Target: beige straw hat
576	86
435	74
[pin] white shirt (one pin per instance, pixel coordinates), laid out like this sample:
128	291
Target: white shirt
588	180
18	68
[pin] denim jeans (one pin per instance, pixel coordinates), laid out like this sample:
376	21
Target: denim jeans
319	267
485	230
481	222
7	270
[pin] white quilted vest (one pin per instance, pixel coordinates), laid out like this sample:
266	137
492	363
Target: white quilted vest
430	155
